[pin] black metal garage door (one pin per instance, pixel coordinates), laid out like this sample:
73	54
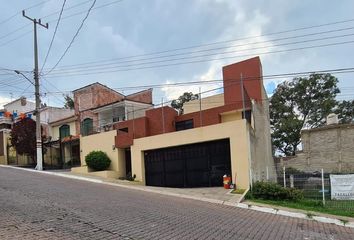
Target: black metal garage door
194	165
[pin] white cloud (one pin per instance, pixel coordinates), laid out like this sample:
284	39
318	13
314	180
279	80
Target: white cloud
118	42
213	73
3	101
241	25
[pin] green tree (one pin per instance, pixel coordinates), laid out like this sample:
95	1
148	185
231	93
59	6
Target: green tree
186	97
69	102
301	103
345	111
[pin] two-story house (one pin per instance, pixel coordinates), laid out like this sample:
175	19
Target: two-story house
97	107
227	133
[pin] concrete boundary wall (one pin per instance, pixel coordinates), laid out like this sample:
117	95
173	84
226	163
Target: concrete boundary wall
105	142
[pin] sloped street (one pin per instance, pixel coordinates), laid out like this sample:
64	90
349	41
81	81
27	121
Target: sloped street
38	206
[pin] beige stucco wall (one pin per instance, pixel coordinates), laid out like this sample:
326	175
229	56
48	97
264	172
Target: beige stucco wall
3	158
207	103
55	130
236	131
102	142
231	116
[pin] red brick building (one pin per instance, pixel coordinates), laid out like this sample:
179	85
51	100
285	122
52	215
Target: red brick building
97	107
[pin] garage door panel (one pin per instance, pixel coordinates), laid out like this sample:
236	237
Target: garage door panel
155	180
195	165
197	178
200	163
174	165
174	179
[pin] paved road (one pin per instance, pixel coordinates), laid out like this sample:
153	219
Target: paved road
38	206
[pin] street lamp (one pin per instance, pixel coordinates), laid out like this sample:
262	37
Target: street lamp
23	75
38	123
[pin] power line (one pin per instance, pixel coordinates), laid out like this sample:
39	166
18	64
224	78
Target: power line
51	14
76	34
249	78
105	66
67	8
60	100
228	41
14	31
85	65
69	16
16	38
20	12
54	34
95	8
203	60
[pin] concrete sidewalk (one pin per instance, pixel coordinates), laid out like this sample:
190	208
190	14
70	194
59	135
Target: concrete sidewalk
207	194
217	195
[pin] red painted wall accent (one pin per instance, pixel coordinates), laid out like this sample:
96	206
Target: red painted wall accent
136	129
152	124
155	120
143	96
251	70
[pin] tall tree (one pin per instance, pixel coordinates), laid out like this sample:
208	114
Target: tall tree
186	97
345	111
69	102
301	103
23	137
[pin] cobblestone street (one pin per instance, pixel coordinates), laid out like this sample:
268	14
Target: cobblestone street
39	206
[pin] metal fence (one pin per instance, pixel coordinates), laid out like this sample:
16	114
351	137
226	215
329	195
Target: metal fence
315	185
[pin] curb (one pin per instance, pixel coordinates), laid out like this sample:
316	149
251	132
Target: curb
239	204
296	215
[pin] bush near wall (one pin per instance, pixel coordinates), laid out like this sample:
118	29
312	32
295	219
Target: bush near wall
97	160
273	191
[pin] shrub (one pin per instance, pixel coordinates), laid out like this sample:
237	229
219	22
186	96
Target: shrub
97	160
294	194
273	191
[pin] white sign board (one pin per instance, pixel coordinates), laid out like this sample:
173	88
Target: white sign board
342	187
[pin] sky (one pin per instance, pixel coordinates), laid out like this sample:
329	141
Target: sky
131	43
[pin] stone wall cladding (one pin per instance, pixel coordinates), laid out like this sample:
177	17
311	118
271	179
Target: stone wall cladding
330	148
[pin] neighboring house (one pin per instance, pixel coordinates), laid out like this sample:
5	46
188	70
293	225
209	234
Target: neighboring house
64	144
51	114
330	148
98	107
195	149
12	111
21	105
17	109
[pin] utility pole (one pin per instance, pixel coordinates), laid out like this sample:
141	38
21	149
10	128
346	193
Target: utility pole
37	93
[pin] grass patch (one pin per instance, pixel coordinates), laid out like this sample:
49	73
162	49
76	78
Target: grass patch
340	208
238	191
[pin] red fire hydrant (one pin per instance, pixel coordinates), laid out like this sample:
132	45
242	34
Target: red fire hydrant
227	181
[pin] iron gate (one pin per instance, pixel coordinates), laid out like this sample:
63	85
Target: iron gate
194	165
